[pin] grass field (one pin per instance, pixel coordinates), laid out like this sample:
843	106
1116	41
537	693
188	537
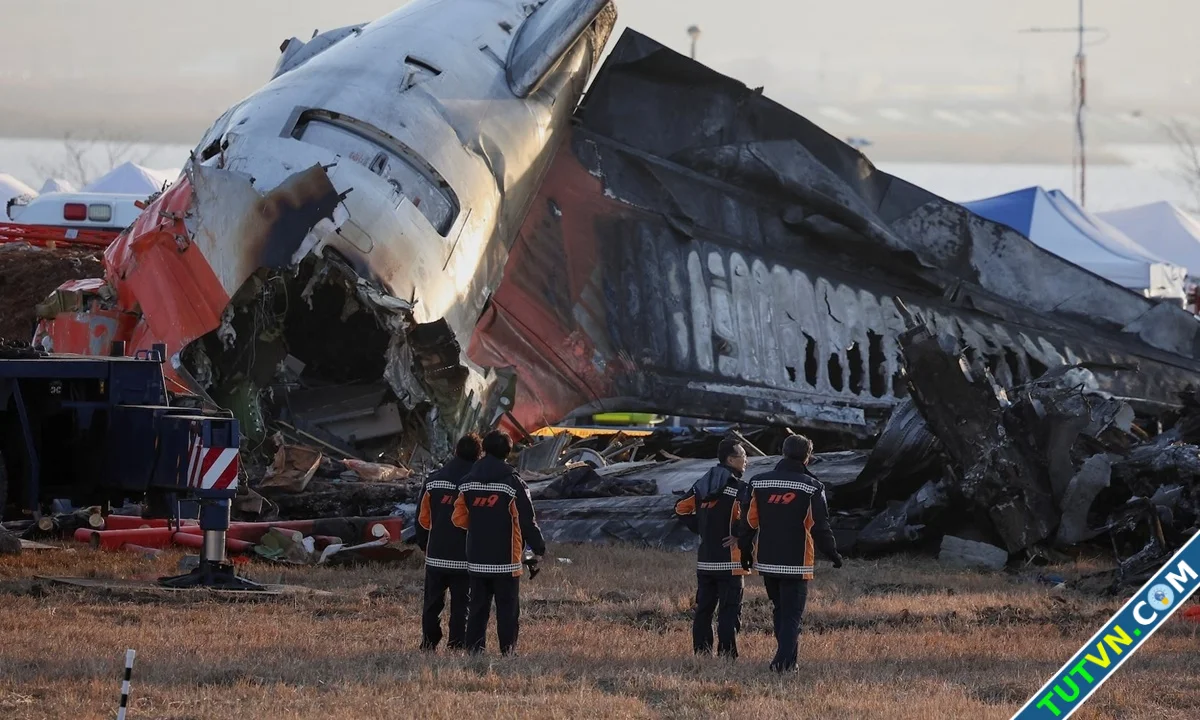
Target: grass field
605	636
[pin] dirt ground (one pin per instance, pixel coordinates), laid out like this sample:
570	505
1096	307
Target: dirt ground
27	277
604	636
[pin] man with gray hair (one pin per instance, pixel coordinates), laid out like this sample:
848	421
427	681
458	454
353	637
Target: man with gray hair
711	509
786	509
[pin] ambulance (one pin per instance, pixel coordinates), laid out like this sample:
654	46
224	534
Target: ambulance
69	218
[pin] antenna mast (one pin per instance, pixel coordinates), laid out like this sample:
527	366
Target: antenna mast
1079	82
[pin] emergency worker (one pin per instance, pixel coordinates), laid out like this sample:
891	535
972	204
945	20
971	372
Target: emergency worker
445	547
494	507
785	514
711	509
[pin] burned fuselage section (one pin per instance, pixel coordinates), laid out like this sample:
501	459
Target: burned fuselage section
723	257
420	140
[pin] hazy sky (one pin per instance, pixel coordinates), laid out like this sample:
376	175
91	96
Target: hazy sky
836	50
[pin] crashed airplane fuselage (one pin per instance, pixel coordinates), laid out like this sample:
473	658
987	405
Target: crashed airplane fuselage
687	247
394	159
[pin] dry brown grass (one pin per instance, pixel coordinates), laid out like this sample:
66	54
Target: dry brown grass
606	636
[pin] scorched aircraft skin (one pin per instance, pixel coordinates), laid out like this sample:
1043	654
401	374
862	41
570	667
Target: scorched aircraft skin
700	250
679	243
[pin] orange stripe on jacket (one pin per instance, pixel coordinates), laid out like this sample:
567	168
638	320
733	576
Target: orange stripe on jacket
735	552
518	541
426	516
462	516
810	555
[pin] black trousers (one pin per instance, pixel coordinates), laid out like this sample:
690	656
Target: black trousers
506	591
437	582
722	594
788	596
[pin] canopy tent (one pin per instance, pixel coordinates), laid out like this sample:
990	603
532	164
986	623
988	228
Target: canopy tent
1054	222
132	179
56	185
10	187
1163	229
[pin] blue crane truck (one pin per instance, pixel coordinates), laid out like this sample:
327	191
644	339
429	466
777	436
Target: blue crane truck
101	431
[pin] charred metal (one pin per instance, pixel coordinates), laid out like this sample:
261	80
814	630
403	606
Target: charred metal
731	260
373	257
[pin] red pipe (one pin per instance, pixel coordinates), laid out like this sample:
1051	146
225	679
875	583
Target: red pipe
114	539
253	532
132	522
156	538
232	545
240	535
246	532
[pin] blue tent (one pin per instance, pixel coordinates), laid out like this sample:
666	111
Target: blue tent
1054	222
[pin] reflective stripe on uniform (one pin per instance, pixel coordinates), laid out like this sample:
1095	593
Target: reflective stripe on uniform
440	485
446	564
783	485
718	565
784	569
489	487
731	491
493	569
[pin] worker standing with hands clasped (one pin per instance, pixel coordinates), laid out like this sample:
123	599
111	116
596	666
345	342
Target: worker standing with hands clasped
494	507
786	513
711	509
445	548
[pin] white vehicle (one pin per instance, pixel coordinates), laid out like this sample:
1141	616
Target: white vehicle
93	211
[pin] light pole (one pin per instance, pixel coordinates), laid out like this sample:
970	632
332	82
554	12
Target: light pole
694	34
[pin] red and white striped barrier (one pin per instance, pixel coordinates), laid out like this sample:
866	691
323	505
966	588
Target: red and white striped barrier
212	468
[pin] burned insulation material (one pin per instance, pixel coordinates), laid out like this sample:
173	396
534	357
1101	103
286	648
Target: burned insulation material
309	350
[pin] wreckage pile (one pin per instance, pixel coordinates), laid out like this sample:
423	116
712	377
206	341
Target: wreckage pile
982	475
1032	472
304	482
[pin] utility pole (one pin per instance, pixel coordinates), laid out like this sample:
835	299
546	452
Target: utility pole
1079	81
694	34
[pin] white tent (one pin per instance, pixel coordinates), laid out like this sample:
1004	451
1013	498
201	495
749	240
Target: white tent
132	179
10	187
1163	229
1053	221
56	185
